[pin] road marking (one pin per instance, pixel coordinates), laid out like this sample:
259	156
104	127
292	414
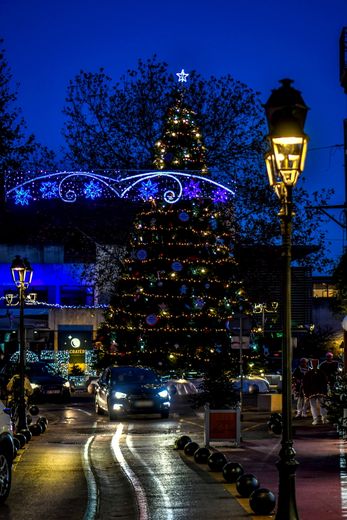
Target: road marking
83	411
135	482
93	493
168	509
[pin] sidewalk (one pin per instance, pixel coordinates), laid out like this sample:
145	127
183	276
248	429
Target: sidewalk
321	476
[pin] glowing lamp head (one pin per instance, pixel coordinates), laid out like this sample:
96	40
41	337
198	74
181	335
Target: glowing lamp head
286	113
22	272
289	155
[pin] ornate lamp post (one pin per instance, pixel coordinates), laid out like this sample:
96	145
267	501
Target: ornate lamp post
22	274
286	113
344	327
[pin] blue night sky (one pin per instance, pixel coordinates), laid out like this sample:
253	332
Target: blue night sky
258	42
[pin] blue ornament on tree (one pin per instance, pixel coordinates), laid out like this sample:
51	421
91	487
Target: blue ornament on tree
142	254
177	266
199	303
151	320
183	216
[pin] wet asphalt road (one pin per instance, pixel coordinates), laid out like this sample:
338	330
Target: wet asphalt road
86	467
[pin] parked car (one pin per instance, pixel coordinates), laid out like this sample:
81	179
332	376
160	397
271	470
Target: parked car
91	384
252	385
181	386
6	453
131	389
46	383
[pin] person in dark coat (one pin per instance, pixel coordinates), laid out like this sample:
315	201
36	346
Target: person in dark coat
315	389
330	368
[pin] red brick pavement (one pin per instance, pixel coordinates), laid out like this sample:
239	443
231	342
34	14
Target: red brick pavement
321	480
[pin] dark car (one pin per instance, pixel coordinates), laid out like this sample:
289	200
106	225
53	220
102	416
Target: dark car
45	381
128	390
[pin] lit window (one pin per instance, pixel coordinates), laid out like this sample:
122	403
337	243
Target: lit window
324	290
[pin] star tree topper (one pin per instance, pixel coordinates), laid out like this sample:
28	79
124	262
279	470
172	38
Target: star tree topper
182	76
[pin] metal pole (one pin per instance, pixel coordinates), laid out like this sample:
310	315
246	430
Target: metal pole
263	319
22	420
287	464
241	365
344	345
345	165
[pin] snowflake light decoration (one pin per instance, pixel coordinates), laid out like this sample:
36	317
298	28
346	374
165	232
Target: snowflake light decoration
49	190
22	196
148	190
220	195
192	190
92	190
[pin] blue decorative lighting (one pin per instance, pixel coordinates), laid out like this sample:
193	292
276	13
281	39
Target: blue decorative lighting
49	190
168	186
220	195
148	190
22	196
92	190
192	190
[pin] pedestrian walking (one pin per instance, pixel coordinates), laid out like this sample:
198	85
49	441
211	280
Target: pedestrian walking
330	368
302	404
315	389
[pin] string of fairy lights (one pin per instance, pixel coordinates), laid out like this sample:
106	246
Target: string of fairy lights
32	302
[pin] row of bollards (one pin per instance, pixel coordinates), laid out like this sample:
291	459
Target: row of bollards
23	436
261	500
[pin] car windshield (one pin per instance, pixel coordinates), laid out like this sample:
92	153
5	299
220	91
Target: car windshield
131	375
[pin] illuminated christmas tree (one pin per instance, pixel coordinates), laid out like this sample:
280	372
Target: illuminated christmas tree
181	146
179	288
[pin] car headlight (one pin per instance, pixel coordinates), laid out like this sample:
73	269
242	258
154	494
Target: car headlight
34	386
164	394
120	395
67	384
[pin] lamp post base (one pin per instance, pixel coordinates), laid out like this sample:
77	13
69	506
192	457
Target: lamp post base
22	416
286	509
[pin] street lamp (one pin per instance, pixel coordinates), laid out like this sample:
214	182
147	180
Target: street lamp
22	274
344	327
263	309
286	113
